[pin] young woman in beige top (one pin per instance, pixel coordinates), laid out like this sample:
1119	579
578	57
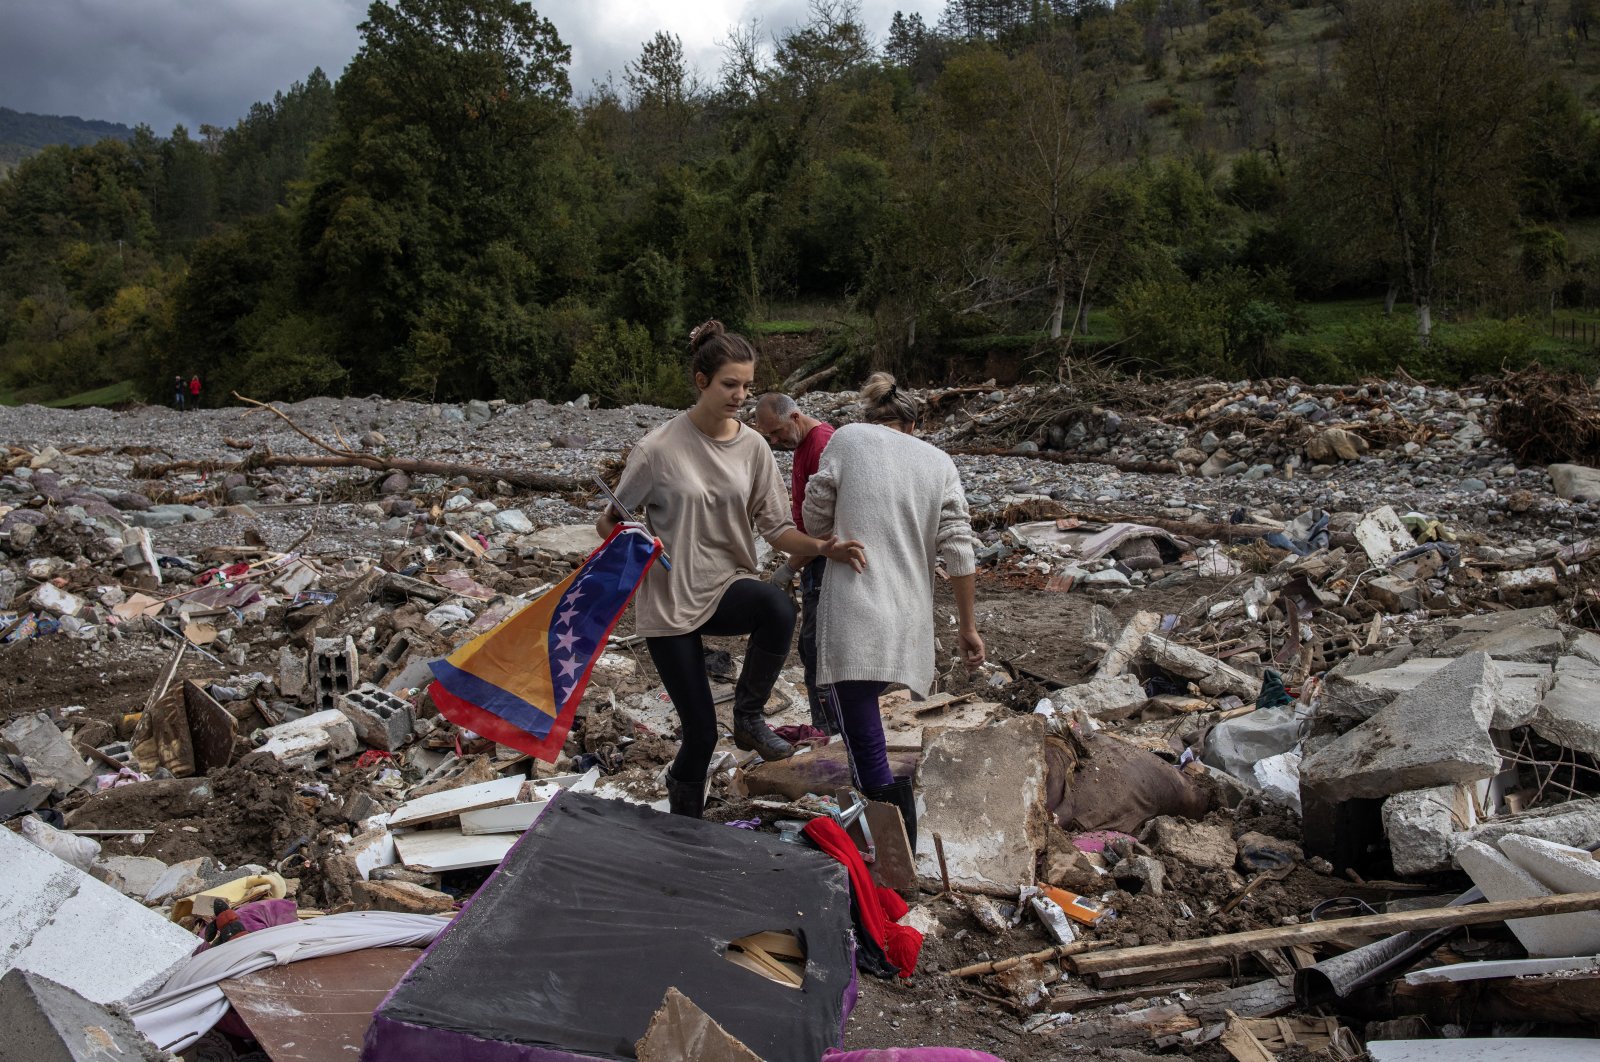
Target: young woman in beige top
705	483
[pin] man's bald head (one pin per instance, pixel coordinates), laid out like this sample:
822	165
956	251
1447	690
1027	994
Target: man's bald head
776	404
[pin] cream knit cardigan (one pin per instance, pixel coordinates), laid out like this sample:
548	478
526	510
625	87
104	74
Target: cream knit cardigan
902	498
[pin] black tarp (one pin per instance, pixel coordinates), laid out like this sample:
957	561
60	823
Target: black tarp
602	906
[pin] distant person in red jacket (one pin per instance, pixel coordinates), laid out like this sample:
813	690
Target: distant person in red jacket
194	391
785	427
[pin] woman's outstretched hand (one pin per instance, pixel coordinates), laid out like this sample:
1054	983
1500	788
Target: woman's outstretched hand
852	552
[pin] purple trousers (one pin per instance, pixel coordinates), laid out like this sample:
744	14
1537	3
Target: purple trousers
855	711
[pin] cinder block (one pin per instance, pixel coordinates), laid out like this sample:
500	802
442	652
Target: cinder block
381	719
49	1022
60	923
314	741
1558	866
336	670
1501	879
393	659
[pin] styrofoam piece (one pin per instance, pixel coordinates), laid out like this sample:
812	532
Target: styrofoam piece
1484	1049
439	850
453	802
58	922
1492	968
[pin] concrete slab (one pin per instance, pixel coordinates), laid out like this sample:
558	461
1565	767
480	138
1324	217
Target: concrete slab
1502	879
1435	734
1483	1049
1364	694
1586	646
312	741
1106	697
1212	675
1575	823
50	757
1569	714
60	923
436	851
1560	867
48	1022
1527	643
574	540
1422	827
452	802
983	792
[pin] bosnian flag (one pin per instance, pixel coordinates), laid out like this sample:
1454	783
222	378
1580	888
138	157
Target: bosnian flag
519	682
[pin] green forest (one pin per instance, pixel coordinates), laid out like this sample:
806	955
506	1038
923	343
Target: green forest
1223	187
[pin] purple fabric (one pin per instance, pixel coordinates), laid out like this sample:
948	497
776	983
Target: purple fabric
855	705
910	1054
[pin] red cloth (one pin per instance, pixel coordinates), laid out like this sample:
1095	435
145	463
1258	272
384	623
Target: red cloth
194	387
807	456
881	908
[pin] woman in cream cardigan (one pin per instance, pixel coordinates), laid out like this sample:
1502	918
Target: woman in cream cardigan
879	484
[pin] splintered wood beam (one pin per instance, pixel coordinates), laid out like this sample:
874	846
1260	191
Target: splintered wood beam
1315	932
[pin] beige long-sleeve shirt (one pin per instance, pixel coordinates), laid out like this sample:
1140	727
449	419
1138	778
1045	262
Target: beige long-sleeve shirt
902	498
703	499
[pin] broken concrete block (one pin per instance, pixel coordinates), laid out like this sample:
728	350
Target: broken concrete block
60	923
293	676
1200	844
1111	697
131	875
49	1022
313	741
1435	734
1585	645
574	540
1502	879
1335	444
1569	714
1125	649
1394	594
1525	581
1575	823
1423	827
1363	694
1525	643
381	719
1212	676
401	897
1560	867
983	792
1382	535
335	670
50	757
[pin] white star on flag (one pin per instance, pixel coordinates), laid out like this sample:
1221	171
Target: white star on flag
566	641
569	668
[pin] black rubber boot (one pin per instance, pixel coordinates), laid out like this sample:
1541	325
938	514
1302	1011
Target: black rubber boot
750	730
685	798
899	793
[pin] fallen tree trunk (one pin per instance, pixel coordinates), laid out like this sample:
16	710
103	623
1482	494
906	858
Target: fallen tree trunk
1334	929
516	477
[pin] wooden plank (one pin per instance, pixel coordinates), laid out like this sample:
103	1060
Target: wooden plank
1313	932
452	802
778	971
776	944
439	850
896	866
1162	972
1260	1000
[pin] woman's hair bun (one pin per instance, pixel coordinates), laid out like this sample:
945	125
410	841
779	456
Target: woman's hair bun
878	387
704	331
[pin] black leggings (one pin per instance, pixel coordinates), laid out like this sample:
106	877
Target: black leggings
748	606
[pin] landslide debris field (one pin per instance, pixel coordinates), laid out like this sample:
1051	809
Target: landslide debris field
1262	655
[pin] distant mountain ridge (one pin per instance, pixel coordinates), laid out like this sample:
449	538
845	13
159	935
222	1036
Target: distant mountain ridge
22	134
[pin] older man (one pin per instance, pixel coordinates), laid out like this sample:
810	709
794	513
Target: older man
781	423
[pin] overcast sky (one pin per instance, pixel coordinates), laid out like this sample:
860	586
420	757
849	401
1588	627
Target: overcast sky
194	61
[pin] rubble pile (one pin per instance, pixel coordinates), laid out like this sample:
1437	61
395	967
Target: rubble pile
1277	671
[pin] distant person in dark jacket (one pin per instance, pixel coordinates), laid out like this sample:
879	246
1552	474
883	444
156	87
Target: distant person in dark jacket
180	390
194	391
